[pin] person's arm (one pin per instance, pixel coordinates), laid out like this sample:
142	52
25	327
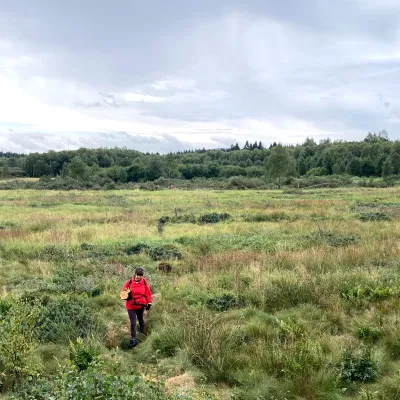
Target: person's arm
148	296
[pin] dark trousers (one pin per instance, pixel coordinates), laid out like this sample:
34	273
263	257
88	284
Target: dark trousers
132	316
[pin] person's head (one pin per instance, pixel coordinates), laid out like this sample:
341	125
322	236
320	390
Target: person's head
139	271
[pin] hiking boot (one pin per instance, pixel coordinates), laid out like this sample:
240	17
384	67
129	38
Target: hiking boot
132	343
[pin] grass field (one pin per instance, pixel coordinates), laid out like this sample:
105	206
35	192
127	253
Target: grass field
293	295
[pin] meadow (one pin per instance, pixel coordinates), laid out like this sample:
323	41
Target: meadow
272	295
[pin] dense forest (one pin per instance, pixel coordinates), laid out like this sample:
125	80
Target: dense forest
375	156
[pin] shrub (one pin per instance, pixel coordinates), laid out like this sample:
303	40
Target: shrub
359	293
17	338
180	219
53	252
213	218
81	354
98	381
137	248
374	216
165	252
368	334
68	280
358	368
330	238
222	303
65	319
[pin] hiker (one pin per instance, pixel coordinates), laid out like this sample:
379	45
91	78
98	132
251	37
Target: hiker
139	300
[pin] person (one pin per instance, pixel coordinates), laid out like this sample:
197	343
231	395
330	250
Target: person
139	300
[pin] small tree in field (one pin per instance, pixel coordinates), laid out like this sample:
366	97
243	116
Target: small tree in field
278	163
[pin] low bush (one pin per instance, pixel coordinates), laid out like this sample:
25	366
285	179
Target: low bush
180	219
165	252
359	368
98	381
222	303
137	248
213	218
81	354
360	292
53	252
17	339
374	216
368	334
66	318
330	238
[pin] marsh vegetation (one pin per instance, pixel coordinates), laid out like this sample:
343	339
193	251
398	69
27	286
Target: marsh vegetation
269	295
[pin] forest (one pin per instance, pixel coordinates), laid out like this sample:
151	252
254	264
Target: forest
253	166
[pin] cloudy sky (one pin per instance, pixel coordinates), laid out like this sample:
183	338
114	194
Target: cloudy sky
161	75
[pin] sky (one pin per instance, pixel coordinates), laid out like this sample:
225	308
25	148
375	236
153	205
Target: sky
163	76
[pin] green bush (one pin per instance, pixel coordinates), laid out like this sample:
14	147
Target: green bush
165	252
98	381
17	339
368	334
71	280
213	218
81	354
137	248
358	368
222	303
360	292
53	252
64	319
374	216
330	238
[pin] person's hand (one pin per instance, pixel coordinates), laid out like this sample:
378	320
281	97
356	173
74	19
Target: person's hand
148	306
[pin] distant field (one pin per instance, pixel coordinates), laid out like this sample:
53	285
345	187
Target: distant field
292	295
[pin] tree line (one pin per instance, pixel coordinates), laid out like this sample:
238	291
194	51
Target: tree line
375	156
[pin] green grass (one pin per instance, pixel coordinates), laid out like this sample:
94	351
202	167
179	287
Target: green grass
262	305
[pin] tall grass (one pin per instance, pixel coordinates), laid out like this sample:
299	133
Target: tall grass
266	302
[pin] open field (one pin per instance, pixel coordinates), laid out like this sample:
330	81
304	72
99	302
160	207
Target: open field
294	295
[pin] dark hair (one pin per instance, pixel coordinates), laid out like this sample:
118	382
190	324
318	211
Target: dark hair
139	271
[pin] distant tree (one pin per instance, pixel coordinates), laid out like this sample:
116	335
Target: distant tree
122	176
339	167
278	163
381	136
387	167
367	167
76	169
135	173
154	169
246	145
301	166
354	166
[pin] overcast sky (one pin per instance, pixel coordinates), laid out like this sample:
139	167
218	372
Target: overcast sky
162	75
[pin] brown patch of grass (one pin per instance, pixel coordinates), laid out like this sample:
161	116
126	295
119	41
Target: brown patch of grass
6	234
184	381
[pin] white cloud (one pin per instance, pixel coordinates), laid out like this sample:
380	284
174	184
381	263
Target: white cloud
139	97
174	84
254	71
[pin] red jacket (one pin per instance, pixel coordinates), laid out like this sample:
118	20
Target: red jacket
140	294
